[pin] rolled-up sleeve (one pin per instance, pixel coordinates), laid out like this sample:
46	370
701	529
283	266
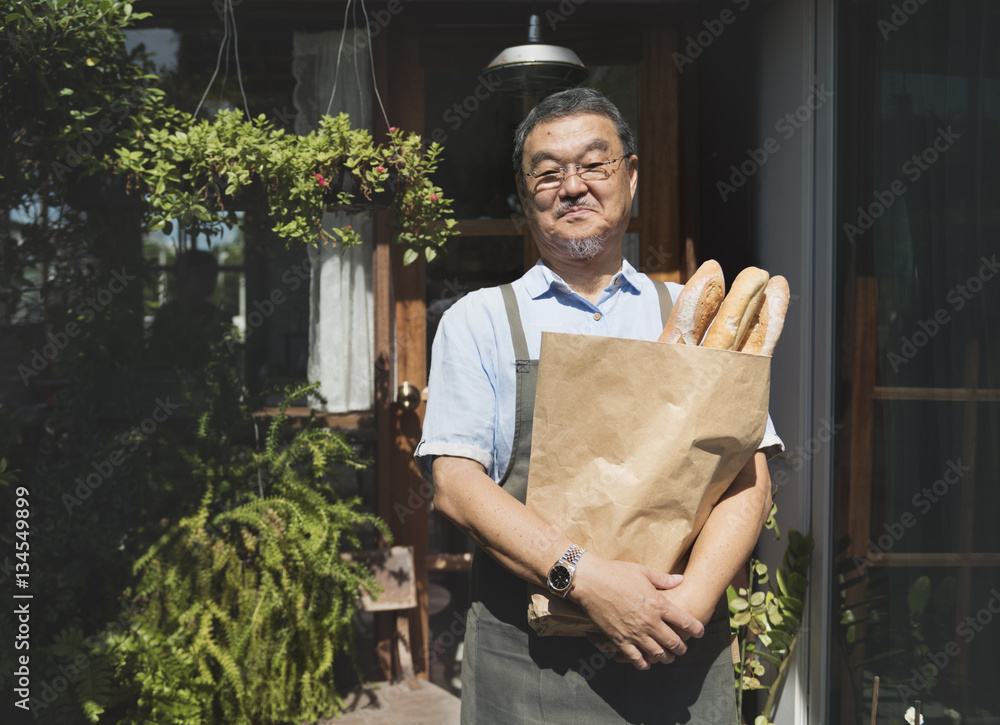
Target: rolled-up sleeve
462	396
771	444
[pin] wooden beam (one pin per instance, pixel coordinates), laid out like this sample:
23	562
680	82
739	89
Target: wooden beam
955	559
966	394
661	242
405	104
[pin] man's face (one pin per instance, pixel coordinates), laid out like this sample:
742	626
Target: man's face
577	219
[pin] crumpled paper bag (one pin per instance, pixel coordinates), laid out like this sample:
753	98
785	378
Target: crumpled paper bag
633	443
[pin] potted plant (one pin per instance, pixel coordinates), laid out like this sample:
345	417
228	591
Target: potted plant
198	173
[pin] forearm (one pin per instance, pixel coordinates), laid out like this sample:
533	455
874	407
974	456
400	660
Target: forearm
502	526
727	538
622	598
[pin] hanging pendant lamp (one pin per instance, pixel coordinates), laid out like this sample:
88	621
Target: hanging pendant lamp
537	67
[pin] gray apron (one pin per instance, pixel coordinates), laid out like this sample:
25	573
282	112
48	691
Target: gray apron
510	675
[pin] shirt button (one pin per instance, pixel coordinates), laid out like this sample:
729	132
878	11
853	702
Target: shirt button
597	315
617	280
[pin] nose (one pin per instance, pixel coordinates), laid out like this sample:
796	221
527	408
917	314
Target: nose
572	185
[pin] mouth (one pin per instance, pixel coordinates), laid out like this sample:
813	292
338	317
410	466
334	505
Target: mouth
575	211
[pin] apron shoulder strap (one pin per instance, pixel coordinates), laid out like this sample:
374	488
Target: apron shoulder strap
666	303
514	318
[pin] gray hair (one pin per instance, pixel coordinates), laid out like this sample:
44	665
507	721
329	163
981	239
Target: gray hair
574	102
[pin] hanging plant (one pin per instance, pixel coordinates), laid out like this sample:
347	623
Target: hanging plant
199	173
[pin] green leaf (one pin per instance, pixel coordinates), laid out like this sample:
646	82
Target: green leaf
738	605
409	257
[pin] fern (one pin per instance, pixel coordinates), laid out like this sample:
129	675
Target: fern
251	602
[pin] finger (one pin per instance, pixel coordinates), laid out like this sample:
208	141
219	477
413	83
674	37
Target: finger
662	656
679	620
665	638
632	655
664	581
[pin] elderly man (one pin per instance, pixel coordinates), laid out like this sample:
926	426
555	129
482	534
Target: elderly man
577	173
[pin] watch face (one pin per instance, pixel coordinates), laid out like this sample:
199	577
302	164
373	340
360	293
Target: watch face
559	577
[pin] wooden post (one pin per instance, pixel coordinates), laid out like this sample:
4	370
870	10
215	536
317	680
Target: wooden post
402	352
660	241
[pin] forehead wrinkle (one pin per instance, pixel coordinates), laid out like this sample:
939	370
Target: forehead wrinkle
597	144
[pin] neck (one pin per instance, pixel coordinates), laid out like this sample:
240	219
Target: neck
588	277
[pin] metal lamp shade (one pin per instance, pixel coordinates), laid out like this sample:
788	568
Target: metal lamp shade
538	68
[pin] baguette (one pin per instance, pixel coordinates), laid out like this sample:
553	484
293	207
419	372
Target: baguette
696	306
766	328
738	310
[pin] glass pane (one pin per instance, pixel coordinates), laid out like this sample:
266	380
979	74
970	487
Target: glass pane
917	246
475	123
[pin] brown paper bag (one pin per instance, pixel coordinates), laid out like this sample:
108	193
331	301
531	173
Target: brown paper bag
633	443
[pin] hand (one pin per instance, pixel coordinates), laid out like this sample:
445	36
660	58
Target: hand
623	600
605	645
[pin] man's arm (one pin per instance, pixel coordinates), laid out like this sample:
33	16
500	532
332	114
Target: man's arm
622	598
727	539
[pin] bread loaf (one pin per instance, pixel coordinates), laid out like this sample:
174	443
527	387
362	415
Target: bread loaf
696	305
766	327
738	310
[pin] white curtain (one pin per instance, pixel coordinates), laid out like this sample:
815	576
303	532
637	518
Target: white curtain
341	316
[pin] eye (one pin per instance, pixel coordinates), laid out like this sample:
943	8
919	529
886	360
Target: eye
547	174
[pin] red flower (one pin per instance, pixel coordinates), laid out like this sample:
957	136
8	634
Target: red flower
380	168
320	180
393	129
348	227
434	197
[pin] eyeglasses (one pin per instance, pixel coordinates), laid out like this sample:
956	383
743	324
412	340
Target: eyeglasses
547	179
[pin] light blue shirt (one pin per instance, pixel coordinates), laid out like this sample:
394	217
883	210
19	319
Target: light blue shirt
472	387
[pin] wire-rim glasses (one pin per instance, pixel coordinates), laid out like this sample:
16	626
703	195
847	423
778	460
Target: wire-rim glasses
545	179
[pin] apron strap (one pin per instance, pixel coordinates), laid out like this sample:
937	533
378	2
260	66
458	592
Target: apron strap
517	329
514	318
666	303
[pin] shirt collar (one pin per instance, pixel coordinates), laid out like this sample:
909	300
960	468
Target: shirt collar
540	279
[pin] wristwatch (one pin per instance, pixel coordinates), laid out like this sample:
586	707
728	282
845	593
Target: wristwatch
563	572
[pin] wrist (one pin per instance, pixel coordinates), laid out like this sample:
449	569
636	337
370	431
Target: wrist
562	574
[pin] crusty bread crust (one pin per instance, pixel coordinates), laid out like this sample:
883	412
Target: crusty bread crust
766	327
696	305
738	310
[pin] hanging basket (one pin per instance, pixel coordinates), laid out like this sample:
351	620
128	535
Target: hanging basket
345	181
245	198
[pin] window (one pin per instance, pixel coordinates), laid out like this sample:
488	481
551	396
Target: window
918	378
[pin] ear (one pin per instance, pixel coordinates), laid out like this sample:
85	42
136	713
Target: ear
633	173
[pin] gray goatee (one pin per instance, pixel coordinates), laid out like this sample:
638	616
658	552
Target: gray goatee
586	247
